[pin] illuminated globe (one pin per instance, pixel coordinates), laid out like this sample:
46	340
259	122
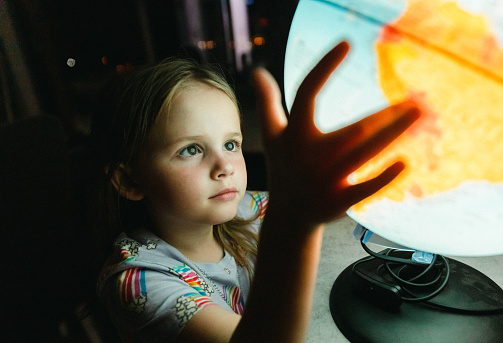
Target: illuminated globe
448	57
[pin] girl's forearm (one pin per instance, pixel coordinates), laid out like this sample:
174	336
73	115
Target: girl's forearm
279	305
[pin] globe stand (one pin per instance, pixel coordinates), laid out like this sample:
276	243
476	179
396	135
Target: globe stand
366	308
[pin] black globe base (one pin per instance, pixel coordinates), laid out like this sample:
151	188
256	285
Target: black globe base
470	309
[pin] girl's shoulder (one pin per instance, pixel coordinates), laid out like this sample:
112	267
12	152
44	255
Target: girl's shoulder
149	289
141	248
253	204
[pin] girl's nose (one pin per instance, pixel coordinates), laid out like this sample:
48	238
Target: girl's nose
222	167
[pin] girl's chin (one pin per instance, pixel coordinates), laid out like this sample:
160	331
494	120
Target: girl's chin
226	218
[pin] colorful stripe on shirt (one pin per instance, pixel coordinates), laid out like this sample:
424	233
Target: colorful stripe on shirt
189	304
128	249
232	294
233	298
259	203
193	280
132	290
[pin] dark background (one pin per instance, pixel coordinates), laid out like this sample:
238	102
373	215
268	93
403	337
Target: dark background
127	33
45	113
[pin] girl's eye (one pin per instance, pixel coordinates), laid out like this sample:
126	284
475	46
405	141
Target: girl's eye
191	150
231	145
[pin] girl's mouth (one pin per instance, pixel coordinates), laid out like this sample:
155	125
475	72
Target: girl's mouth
225	195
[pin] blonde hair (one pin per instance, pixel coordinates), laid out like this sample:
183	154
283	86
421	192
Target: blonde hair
126	112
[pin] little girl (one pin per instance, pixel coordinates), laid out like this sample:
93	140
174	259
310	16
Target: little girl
172	186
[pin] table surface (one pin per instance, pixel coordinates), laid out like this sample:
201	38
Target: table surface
339	250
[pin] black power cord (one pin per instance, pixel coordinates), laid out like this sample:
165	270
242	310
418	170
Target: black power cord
415	281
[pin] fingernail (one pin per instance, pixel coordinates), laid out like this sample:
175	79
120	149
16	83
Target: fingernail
413	113
410	110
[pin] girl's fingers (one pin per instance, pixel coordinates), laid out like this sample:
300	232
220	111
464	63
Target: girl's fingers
270	109
314	81
363	140
356	193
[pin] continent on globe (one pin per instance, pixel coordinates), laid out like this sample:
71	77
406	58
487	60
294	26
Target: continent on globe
449	62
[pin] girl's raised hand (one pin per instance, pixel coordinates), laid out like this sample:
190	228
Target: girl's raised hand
308	170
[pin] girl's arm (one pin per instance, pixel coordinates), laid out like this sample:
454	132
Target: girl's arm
308	172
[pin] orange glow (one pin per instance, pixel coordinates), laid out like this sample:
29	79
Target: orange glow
104	60
206	45
259	41
121	68
455	77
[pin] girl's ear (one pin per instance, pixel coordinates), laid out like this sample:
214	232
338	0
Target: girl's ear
125	185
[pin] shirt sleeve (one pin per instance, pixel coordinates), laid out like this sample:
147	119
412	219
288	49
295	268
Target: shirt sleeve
253	205
151	303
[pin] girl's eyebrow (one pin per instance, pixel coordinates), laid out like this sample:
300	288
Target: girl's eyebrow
198	137
186	138
236	134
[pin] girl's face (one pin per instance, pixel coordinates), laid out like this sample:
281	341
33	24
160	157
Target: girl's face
194	171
